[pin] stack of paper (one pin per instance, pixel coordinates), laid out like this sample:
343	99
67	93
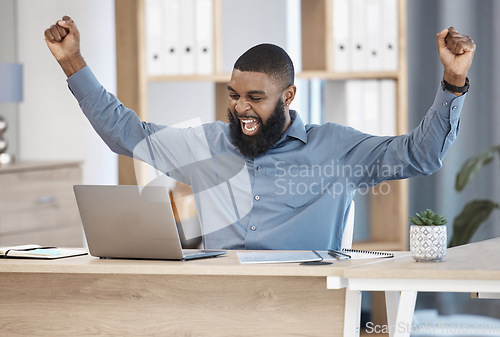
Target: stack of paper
278	257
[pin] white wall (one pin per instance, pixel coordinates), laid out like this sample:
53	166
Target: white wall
51	124
8	52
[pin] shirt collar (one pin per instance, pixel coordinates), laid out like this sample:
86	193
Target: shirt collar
296	129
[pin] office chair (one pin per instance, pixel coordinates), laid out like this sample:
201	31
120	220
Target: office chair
349	229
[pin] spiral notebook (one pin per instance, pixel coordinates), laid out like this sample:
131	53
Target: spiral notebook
39	252
356	254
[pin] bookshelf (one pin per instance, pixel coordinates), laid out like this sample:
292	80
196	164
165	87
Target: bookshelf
389	213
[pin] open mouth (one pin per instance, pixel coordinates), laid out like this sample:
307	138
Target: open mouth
250	126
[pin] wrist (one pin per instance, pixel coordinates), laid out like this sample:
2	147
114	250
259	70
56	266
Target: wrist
72	64
457	80
456	90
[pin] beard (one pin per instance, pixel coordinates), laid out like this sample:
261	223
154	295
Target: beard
268	135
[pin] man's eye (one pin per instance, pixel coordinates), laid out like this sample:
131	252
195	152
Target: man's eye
233	96
256	99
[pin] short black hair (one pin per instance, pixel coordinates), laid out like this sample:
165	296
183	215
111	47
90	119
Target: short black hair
268	59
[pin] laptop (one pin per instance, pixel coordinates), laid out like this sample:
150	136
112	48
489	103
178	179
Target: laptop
132	222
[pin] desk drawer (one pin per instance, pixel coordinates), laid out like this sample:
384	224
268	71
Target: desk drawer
39	199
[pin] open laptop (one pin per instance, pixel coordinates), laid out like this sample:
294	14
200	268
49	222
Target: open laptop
132	222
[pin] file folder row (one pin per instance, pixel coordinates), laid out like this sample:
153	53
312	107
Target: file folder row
366	105
365	35
179	37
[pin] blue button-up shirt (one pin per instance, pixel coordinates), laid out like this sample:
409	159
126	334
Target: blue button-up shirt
296	195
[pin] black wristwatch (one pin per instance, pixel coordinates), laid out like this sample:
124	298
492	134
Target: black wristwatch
447	86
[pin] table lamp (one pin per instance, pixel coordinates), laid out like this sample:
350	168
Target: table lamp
11	91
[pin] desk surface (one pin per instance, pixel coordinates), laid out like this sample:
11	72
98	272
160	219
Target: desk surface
224	265
474	261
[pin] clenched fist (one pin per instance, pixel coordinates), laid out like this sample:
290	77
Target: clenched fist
63	40
456	52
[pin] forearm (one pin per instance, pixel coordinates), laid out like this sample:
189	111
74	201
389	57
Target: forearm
71	65
426	146
418	153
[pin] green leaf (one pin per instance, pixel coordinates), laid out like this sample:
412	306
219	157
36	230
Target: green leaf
468	221
472	165
416	221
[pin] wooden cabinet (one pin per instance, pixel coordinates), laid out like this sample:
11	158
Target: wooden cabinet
37	204
389	212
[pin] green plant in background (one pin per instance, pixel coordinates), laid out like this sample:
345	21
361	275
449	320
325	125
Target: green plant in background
428	218
474	212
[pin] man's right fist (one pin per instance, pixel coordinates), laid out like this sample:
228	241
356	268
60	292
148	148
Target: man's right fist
63	40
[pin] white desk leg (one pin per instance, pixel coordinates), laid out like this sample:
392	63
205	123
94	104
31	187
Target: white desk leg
391	306
352	314
400	308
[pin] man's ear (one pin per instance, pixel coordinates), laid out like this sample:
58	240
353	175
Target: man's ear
289	94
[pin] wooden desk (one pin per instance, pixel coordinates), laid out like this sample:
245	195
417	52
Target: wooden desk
469	268
83	296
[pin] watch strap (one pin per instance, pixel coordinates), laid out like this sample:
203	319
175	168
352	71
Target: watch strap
447	86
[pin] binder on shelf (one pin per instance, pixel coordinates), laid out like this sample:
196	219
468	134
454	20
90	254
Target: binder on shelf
390	34
172	47
358	35
387	119
155	38
187	37
334	102
341	36
204	53
371	107
354	104
373	31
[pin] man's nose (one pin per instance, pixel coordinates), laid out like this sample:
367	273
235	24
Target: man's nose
241	105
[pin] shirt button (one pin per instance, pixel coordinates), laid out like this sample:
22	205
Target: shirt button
445	103
253	228
256	197
454	108
259	168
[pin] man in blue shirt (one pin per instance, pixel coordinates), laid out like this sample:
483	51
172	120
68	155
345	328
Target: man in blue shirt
266	180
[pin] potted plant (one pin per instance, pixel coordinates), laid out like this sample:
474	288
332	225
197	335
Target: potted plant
474	212
428	236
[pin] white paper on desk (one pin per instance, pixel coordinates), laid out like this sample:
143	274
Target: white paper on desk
277	257
39	252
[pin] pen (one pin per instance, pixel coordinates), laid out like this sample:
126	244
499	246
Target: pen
338	255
